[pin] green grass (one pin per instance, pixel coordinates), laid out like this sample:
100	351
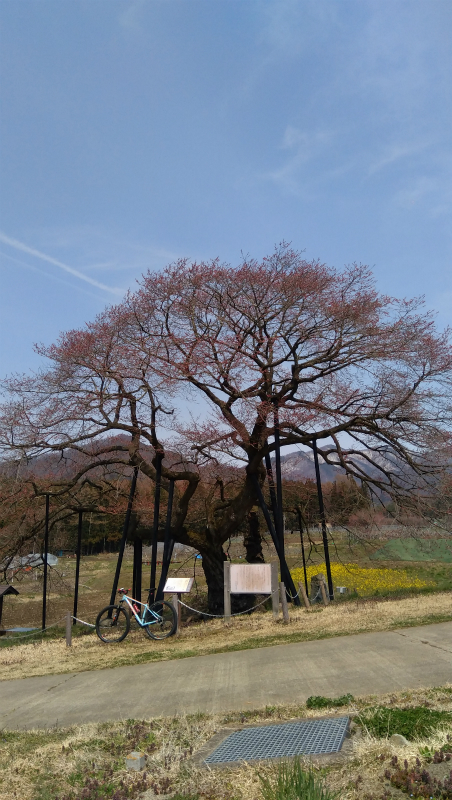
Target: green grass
413	723
415	550
293	782
319	701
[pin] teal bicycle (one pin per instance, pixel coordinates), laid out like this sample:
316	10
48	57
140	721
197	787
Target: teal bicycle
158	620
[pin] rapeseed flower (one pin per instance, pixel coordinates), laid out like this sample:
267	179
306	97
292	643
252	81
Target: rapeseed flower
366	581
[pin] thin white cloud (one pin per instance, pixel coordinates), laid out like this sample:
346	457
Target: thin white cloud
46	274
24	248
305	147
395	153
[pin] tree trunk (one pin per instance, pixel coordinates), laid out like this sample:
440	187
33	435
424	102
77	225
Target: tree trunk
213	559
252	540
253	545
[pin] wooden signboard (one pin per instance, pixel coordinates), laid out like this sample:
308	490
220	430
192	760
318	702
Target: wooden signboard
251	579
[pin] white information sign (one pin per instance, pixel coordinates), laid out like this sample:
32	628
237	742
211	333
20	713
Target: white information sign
251	579
178	585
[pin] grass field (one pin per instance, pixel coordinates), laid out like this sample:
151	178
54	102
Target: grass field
51	656
97	573
87	762
389	595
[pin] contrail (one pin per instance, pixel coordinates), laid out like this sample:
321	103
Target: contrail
37	253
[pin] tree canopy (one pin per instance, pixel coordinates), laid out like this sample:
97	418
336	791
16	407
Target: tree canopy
200	361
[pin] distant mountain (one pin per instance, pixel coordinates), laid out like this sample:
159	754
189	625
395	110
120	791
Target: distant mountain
299	466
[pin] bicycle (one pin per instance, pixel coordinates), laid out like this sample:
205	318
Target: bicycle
159	620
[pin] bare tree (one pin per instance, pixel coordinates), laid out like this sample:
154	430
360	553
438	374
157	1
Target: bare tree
204	359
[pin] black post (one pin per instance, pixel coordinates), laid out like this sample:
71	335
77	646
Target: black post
323	519
124	536
137	568
155	531
46	553
271	487
279	500
77	563
285	572
168	544
300	525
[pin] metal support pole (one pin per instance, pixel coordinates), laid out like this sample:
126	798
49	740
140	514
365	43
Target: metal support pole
155	529
137	568
279	499
46	553
271	487
168	543
323	519
300	525
285	573
124	536
77	563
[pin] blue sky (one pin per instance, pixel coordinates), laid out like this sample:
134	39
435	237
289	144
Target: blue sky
136	131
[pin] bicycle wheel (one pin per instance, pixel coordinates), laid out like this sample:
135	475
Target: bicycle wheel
112	624
162	619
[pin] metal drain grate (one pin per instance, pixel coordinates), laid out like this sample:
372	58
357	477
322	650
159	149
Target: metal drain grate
313	737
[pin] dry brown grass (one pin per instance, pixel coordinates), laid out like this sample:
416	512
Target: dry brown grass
42	765
256	630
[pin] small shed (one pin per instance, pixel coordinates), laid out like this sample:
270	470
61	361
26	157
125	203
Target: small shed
5	588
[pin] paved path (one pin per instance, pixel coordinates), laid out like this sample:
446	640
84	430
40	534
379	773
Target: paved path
369	663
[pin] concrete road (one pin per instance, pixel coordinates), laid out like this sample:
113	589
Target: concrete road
369	663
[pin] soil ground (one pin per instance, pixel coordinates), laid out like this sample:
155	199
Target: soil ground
88	761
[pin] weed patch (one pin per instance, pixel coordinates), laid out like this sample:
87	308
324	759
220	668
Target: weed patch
413	723
318	701
291	781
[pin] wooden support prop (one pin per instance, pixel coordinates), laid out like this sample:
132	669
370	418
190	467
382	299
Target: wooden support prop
178	609
227	592
68	629
275	590
305	597
285	610
325	597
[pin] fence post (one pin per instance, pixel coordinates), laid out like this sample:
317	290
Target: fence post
68	629
275	589
178	609
227	591
285	610
302	591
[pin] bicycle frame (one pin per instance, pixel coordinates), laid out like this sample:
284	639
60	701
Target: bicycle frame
129	601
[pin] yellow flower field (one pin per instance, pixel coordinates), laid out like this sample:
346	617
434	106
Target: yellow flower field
366	581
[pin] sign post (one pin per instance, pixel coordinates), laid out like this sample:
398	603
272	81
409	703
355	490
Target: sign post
250	579
176	587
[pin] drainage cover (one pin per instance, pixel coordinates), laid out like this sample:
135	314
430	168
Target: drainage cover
313	737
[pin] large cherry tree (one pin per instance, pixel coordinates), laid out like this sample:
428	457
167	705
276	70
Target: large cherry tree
203	359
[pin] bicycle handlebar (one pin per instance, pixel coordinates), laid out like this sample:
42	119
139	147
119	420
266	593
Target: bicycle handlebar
123	591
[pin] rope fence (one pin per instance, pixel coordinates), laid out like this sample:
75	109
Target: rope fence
35	632
237	613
